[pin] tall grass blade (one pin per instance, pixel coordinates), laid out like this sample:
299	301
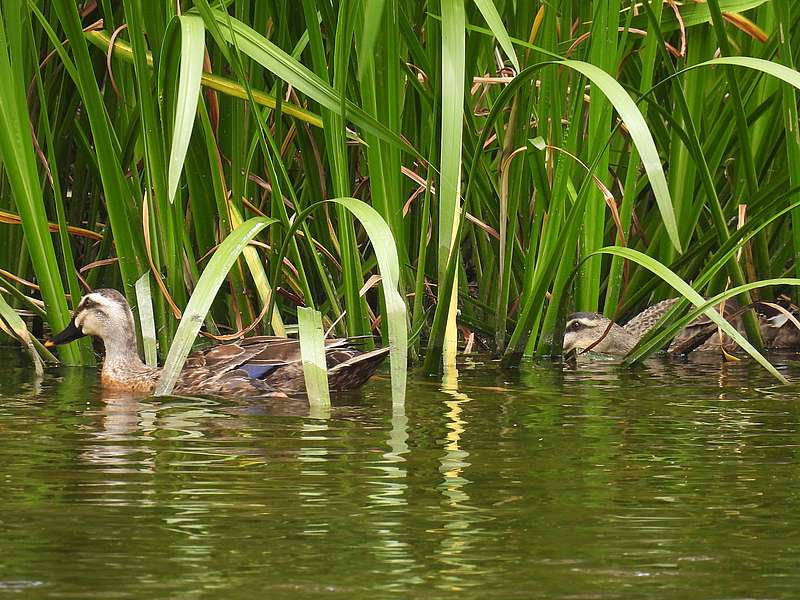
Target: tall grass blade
144	305
642	138
495	22
312	350
19	165
782	72
380	236
373	14
453	69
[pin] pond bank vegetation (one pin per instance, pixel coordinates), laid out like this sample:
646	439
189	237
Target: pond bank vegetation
486	166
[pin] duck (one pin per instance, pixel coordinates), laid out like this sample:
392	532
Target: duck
261	366
589	331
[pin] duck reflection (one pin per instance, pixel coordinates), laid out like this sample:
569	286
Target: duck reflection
123	419
131	428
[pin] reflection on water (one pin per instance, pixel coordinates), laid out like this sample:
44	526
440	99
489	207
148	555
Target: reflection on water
598	482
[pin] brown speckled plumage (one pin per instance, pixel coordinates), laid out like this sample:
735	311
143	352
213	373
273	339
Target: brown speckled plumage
649	317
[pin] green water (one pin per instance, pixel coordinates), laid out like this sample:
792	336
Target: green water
675	481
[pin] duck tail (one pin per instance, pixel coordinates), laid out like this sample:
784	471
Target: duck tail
355	371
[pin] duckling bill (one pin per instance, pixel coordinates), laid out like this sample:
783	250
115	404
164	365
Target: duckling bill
257	366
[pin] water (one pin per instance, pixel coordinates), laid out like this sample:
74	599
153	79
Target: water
673	481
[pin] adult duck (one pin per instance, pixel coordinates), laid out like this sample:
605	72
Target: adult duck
256	366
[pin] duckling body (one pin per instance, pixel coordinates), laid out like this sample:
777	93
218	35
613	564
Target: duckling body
257	366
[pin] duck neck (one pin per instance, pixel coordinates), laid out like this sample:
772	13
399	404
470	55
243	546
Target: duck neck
121	353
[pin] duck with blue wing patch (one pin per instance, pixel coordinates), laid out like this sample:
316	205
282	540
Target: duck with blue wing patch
257	366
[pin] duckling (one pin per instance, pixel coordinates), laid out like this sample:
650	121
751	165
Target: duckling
257	366
584	329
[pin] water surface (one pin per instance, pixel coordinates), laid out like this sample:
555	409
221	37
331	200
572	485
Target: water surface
672	481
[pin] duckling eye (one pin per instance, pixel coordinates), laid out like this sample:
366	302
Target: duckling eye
576	325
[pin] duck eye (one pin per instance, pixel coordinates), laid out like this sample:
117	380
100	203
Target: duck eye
575	325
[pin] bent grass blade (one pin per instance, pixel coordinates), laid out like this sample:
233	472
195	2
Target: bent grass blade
200	302
642	138
191	69
20	331
383	244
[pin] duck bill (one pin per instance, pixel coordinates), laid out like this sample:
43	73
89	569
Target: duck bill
70	334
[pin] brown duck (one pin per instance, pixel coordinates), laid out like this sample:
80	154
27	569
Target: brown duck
256	366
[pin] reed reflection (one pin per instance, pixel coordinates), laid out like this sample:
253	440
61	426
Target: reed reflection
461	520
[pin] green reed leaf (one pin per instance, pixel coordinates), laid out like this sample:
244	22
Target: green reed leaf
373	15
312	351
144	304
191	70
495	22
642	138
380	236
21	172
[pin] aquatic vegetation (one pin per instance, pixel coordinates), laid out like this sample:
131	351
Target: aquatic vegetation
520	158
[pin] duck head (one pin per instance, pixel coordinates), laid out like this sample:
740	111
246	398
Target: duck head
103	313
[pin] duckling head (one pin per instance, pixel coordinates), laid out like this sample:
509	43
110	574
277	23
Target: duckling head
592	331
105	314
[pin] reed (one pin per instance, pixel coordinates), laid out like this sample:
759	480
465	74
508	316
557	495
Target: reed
501	145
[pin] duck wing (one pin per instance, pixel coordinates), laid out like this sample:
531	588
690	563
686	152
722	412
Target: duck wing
229	383
226	357
280	365
262	364
224	370
354	371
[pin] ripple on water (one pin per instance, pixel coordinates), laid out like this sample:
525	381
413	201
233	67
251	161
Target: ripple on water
600	482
